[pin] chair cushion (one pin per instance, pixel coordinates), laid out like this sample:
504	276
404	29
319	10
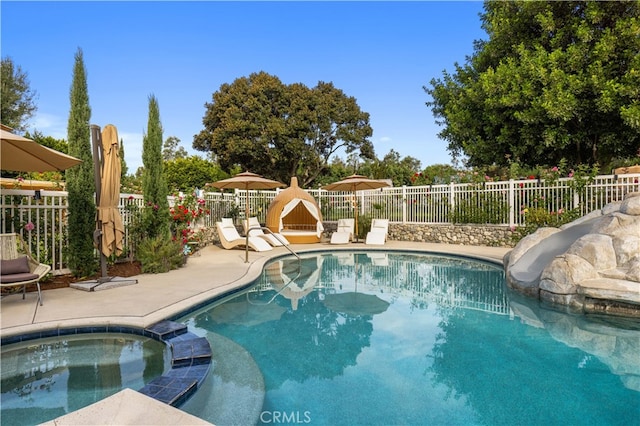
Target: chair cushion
14	266
227	222
16	278
340	237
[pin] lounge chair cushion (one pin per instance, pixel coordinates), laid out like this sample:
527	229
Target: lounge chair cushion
227	222
340	237
378	233
375	238
275	239
230	238
344	232
17	278
14	266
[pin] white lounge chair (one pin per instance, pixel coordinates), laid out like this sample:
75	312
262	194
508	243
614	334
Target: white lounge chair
255	230
344	232
378	258
378	233
344	258
229	237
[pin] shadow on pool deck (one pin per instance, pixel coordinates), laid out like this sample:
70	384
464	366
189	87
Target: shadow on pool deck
213	272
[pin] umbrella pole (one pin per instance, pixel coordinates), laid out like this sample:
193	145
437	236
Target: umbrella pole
98	160
355	206
246	217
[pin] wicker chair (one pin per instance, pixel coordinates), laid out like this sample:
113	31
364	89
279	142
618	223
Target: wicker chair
18	268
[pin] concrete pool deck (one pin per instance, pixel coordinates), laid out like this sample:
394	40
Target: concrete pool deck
210	273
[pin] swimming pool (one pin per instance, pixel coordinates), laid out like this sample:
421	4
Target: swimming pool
432	339
46	378
411	339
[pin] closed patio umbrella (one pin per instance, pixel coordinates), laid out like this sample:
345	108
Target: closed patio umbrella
20	154
247	181
355	183
109	234
108	214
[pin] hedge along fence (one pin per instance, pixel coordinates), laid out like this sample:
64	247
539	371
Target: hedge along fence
42	220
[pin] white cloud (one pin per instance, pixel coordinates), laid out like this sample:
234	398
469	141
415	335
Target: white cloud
50	125
385	139
56	127
132	150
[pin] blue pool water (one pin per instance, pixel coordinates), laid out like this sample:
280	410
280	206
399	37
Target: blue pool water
47	378
421	339
359	338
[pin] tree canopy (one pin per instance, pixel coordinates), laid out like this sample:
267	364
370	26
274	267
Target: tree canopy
17	100
279	131
171	149
554	80
185	174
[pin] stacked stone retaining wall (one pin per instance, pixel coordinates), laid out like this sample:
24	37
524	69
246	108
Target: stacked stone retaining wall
475	235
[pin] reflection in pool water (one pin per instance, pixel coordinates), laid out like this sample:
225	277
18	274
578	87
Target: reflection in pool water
47	378
446	344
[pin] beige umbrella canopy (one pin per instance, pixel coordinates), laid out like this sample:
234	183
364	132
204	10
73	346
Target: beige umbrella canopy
21	154
108	214
247	181
355	183
356	304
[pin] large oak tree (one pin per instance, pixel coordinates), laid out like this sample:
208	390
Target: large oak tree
554	80
279	131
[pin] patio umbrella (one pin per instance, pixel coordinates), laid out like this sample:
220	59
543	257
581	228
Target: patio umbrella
247	181
354	303
355	183
21	154
108	214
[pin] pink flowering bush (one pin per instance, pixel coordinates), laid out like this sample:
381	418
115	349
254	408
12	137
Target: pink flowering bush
187	210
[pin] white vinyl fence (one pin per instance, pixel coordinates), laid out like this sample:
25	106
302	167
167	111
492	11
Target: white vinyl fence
42	220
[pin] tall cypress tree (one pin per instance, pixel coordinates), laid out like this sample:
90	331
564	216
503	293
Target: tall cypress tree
154	183
80	179
124	170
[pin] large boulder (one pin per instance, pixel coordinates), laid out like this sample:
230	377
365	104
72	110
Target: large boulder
601	250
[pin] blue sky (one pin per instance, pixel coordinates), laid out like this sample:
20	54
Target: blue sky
381	53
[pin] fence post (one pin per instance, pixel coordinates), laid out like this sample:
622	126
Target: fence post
404	204
452	199
512	201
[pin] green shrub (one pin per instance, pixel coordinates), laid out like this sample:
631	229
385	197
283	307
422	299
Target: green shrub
160	254
480	208
364	226
538	217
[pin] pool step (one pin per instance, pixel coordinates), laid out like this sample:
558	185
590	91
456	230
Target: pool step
165	330
191	352
190	364
170	390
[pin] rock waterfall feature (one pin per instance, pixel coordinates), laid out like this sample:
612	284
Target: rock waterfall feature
590	265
